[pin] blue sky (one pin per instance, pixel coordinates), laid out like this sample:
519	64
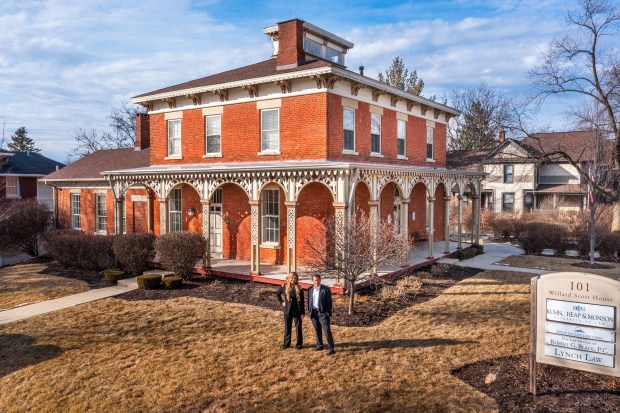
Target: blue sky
65	63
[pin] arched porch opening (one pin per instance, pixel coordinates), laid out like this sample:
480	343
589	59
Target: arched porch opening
418	217
315	205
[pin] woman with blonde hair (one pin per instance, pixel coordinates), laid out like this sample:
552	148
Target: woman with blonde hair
291	298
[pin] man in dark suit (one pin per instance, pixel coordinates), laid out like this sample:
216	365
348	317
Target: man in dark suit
320	309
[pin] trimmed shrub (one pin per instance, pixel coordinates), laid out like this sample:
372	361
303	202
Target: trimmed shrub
558	238
533	238
149	281
79	250
179	252
113	274
469	252
609	245
134	251
173	282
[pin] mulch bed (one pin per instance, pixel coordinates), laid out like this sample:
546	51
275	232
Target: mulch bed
559	389
370	309
594	266
94	279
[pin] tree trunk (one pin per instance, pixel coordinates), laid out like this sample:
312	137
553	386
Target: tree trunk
615	223
351	296
592	234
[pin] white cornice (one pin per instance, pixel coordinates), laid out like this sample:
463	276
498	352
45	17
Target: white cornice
230	85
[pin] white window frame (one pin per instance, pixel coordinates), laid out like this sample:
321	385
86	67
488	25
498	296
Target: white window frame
401	135
514	201
375	116
270	213
346	150
171	140
101	224
76	211
209	133
175	210
511	174
430	138
265	150
12	188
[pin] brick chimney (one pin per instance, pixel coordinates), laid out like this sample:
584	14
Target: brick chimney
143	131
290	44
502	136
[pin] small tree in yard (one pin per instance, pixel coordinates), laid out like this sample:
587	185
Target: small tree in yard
357	243
179	252
21	224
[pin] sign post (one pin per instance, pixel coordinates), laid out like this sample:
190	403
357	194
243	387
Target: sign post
574	323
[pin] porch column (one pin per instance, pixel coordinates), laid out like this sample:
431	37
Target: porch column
460	222
476	219
340	216
446	214
206	229
149	212
291	236
255	235
119	204
431	226
163	216
404	225
374	227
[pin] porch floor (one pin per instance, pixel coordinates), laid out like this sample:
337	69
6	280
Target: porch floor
276	274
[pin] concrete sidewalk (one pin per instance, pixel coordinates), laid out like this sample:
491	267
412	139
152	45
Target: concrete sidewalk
27	311
493	253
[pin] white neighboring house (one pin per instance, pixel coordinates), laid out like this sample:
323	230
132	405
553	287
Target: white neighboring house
524	175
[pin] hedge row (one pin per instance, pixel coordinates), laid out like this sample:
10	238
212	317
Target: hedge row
178	252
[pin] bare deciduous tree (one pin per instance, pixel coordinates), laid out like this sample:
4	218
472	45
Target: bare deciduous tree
122	134
356	242
580	61
485	111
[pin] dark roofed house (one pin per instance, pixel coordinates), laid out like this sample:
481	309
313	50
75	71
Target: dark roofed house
533	172
20	174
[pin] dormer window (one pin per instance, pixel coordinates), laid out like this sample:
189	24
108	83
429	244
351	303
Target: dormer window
324	52
334	56
312	47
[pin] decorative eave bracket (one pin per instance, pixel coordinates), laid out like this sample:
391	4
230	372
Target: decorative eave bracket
325	80
252	90
355	88
196	98
285	85
172	102
376	94
147	105
222	93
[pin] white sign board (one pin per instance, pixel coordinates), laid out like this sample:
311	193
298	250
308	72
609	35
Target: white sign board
575	322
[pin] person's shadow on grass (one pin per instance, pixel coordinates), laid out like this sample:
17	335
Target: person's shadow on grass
402	343
18	351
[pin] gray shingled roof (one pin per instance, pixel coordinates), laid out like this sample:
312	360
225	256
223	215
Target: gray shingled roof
26	163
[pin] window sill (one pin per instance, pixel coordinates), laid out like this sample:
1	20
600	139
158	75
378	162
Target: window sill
212	155
430	160
404	158
167	158
101	232
269	153
376	155
349	152
13	197
270	246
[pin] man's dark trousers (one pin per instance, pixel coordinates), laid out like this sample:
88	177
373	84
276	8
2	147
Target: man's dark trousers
322	320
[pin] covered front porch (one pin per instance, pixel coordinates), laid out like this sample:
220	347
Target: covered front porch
276	274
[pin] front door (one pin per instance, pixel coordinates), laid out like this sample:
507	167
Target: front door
215	230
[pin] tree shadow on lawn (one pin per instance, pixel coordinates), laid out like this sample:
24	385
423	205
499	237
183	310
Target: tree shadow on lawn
18	351
402	343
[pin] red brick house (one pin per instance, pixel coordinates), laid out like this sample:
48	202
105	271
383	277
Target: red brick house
255	157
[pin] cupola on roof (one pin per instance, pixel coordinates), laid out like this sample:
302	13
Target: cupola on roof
292	39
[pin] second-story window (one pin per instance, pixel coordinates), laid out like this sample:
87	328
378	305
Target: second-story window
429	142
349	129
375	133
401	134
213	132
12	186
270	130
174	137
508	174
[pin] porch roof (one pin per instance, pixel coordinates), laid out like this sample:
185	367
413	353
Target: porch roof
573	189
280	166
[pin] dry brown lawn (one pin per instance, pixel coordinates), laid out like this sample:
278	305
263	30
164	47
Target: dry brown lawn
560	264
24	284
192	354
